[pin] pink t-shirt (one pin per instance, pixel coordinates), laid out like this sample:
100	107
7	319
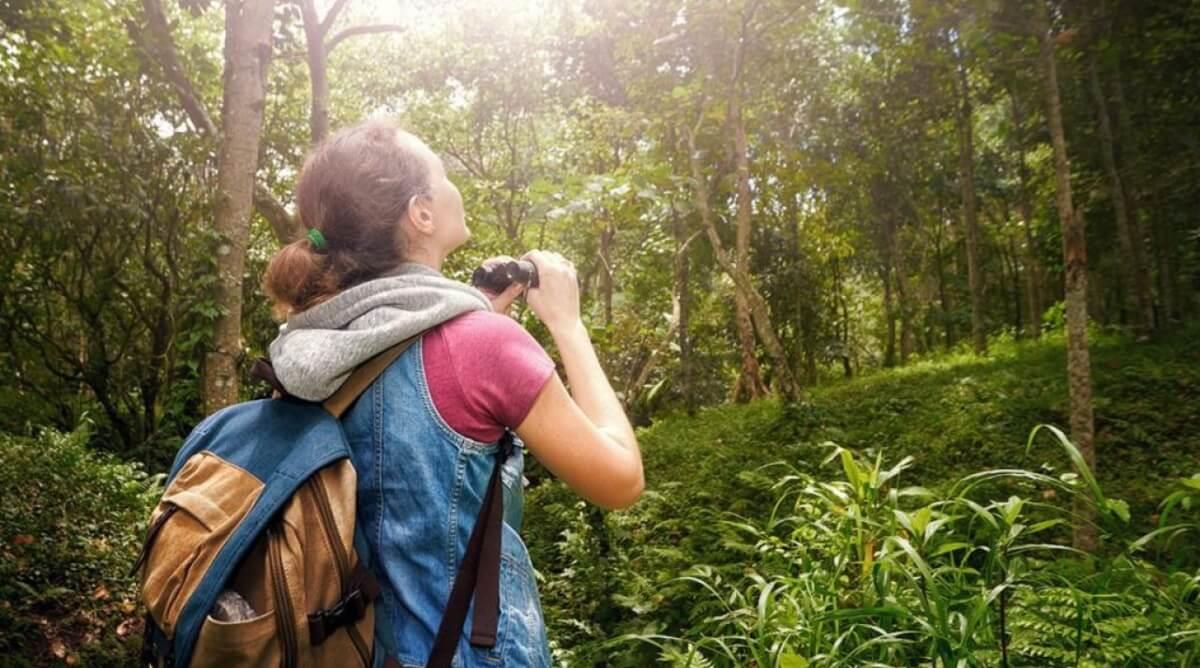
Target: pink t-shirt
484	372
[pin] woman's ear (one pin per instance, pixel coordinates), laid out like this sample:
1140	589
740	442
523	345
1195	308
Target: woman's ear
420	214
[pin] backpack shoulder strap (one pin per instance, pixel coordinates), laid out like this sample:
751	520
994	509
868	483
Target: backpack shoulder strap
362	377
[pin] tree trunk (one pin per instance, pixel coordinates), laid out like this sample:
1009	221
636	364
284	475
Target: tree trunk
314	42
1139	299
903	297
1079	373
966	158
683	299
889	310
247	56
943	295
1033	268
1015	269
606	274
742	280
751	383
841	315
161	46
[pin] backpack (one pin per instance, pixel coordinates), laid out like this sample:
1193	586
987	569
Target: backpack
252	556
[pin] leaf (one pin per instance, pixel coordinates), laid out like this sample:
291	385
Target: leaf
1119	508
949	547
792	661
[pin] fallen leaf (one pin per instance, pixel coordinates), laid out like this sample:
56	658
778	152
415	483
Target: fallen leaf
126	627
22	539
58	649
101	593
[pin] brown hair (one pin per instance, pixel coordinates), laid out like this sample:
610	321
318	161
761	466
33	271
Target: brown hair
355	189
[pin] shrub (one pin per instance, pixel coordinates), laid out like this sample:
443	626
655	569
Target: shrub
71	523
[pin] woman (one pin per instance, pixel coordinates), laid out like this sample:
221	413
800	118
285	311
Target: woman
382	218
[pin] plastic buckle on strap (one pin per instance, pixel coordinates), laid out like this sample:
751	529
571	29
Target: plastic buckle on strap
322	623
506	446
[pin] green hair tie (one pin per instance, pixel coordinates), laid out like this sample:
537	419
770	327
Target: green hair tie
317	239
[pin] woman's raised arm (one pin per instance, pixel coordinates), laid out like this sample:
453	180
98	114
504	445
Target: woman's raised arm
586	441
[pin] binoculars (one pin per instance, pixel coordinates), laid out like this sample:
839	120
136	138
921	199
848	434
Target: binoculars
497	277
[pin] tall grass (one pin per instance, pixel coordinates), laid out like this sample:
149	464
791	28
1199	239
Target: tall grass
862	570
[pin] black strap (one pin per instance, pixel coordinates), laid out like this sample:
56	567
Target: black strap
478	574
262	370
157	649
361	591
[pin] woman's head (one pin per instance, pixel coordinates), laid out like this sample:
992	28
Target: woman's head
379	196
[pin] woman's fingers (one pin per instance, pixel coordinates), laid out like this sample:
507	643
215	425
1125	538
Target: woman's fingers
556	299
502	302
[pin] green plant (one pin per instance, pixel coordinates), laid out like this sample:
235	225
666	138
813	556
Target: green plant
861	571
71	522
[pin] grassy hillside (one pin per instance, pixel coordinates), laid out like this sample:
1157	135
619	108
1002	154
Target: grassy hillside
69	523
955	415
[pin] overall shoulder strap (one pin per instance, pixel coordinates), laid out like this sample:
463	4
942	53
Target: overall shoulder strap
478	573
364	375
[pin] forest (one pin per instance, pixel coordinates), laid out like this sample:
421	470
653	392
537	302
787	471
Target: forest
903	297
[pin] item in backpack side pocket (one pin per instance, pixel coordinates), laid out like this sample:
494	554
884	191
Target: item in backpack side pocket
231	607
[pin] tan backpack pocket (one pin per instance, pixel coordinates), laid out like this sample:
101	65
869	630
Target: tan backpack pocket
198	513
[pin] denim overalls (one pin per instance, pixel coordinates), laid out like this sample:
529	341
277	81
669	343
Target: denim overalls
420	486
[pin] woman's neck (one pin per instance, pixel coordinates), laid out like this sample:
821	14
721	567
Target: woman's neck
427	257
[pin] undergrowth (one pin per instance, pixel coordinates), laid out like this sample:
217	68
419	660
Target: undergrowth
712	495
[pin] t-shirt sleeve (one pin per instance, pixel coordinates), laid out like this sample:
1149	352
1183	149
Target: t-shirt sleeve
499	368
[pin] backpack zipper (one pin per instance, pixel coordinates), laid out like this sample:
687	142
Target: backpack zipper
283	603
340	558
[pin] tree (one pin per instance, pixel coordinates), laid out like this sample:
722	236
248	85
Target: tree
1129	234
1079	372
318	45
970	206
156	40
749	384
247	56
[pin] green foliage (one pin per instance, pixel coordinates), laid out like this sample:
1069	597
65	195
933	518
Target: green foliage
804	554
71	523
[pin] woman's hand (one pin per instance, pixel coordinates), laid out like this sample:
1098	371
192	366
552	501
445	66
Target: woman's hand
583	437
556	298
502	302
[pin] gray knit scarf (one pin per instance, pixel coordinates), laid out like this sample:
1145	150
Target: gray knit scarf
316	350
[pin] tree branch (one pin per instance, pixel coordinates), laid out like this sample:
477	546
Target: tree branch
162	48
327	23
361	30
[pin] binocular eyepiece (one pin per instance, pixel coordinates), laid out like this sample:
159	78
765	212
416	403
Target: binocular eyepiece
497	277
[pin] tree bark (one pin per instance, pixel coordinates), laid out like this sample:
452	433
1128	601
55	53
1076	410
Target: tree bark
1033	268
683	298
966	157
750	383
247	56
1162	247
314	43
889	311
161	47
1139	299
606	274
841	315
903	297
740	275
943	294
1079	373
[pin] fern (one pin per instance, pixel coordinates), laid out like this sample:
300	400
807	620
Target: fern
687	655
